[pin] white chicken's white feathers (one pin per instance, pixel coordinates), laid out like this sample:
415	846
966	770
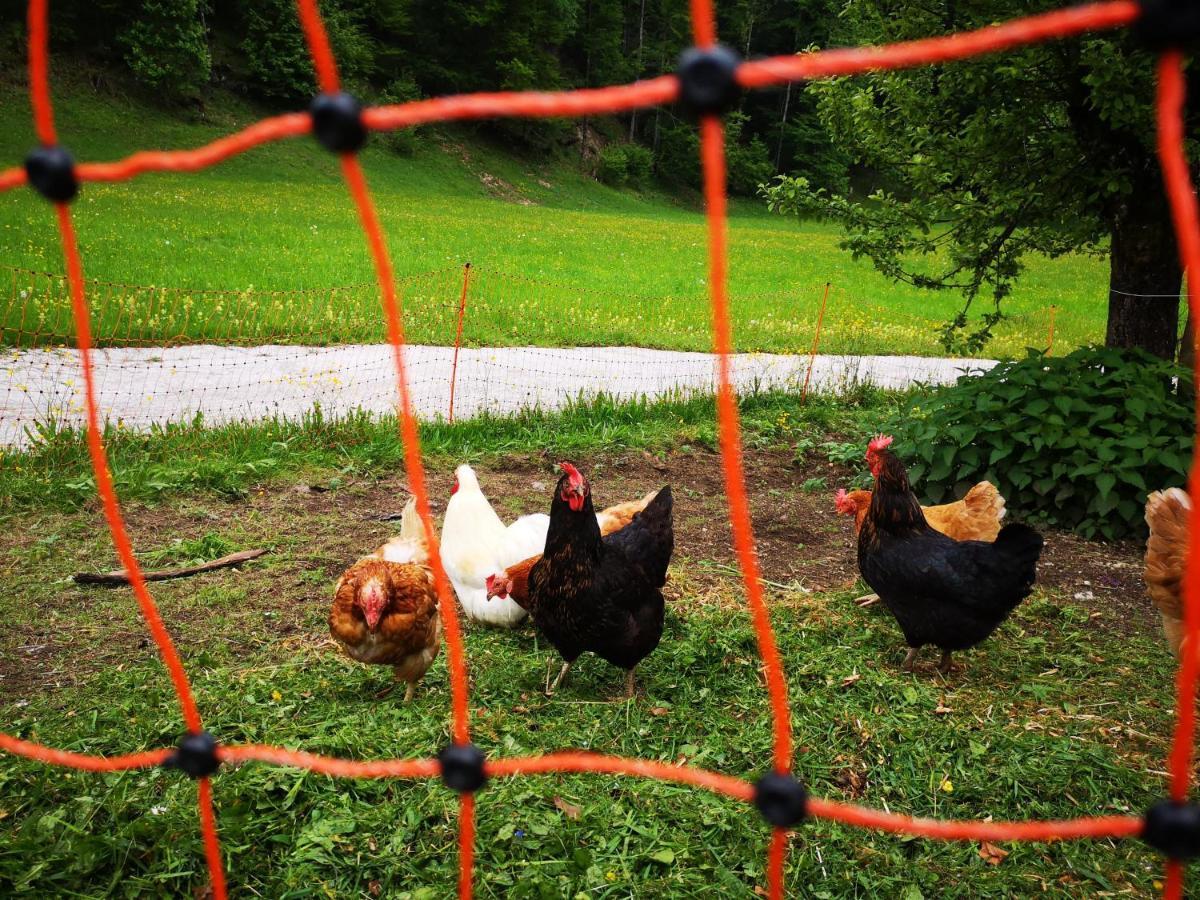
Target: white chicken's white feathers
409	546
524	538
473	539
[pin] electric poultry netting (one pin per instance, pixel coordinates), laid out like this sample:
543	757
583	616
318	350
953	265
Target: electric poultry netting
708	79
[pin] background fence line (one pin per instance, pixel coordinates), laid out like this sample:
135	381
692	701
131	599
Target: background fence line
481	341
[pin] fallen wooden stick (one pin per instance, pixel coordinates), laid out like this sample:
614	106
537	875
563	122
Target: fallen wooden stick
120	576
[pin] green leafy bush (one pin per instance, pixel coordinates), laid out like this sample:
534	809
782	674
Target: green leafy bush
276	58
639	162
401	141
614	165
166	47
1076	441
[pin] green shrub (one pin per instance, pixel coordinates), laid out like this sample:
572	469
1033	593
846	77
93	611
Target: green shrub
640	165
401	141
614	165
166	47
1075	441
275	55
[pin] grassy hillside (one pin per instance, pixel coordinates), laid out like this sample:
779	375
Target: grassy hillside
279	218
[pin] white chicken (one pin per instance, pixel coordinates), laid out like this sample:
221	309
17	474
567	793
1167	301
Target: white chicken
475	542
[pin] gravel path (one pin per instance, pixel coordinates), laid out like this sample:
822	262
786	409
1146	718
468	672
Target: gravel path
140	387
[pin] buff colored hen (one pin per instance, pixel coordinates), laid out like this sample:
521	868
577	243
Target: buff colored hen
1166	556
385	608
976	517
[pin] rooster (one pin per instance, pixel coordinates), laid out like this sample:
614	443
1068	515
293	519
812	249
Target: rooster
385	609
513	580
603	596
1166	557
948	593
475	544
976	517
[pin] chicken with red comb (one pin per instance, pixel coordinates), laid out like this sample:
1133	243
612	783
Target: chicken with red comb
601	595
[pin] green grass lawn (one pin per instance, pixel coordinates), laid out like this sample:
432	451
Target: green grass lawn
626	268
1064	712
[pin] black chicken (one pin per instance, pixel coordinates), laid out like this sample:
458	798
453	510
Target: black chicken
601	595
952	594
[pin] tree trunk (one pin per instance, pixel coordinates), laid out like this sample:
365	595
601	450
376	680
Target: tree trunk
787	99
638	59
1144	276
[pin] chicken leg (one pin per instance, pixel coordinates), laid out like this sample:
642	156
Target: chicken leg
946	666
629	685
410	691
562	675
910	659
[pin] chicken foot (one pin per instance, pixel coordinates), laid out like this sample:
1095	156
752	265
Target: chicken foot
551	688
910	660
946	666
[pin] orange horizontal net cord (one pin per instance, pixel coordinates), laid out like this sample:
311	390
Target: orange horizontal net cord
328	765
592	101
952	830
1172	87
616	765
84	761
1020	32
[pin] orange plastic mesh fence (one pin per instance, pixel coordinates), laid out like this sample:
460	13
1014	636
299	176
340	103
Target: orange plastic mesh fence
754	74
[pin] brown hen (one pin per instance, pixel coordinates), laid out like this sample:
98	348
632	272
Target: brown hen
385	608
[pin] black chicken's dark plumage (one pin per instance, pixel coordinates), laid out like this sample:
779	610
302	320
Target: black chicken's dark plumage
603	596
948	593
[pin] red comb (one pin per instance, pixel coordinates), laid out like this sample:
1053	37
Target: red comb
879	442
571	471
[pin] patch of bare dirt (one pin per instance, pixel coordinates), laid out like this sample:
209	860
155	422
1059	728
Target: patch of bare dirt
803	546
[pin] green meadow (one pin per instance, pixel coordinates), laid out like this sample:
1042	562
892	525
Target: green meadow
566	259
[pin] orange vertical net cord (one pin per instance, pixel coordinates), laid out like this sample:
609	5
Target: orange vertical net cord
660	90
318	43
712	161
1177	180
39	86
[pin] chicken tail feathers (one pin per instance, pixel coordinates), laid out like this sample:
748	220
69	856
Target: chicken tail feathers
1020	543
649	540
411	528
986	501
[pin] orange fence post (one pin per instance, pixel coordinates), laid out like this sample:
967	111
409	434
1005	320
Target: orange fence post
462	311
1050	339
812	355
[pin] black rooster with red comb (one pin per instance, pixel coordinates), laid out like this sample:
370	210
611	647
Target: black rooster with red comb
605	597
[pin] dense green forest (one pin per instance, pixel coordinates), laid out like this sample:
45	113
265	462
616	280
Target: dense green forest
394	50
